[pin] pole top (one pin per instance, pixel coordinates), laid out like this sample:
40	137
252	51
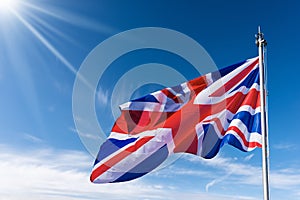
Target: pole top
260	41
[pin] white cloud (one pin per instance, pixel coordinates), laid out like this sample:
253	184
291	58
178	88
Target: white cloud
64	174
236	172
49	174
247	158
85	135
284	146
229	165
62	87
286	179
102	96
32	138
217	180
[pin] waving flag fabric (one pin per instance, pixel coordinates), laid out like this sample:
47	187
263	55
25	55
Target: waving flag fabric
197	117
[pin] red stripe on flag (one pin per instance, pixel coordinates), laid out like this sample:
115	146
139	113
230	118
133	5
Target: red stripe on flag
232	104
172	96
120	156
190	113
234	80
242	136
197	85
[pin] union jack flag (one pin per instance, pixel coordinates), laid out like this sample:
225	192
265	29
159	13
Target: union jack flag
197	117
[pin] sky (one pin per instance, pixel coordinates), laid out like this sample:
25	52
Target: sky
46	44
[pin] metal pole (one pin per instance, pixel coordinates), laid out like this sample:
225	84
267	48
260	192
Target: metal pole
261	43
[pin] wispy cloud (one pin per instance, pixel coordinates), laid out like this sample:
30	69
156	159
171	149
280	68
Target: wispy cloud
102	96
236	172
49	174
247	158
64	174
285	146
82	134
229	165
32	138
217	180
62	87
287	179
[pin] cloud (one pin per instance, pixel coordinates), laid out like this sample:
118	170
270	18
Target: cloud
61	87
46	173
64	175
229	165
228	170
102	96
50	174
247	158
85	135
284	146
287	179
217	180
236	172
32	138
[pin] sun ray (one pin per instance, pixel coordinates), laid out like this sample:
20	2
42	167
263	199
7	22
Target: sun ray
76	20
44	11
50	47
48	28
46	43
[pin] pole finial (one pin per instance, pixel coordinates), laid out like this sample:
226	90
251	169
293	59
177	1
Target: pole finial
260	41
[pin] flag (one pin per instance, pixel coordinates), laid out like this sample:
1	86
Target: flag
197	117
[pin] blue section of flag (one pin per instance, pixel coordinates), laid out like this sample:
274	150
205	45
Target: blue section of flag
211	142
110	146
146	165
252	122
252	78
233	141
224	71
147	98
215	147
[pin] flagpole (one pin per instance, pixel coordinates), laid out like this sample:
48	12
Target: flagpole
261	43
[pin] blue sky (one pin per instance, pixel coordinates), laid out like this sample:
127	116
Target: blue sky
44	43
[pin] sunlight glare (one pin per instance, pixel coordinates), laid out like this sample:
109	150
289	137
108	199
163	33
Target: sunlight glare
8	5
